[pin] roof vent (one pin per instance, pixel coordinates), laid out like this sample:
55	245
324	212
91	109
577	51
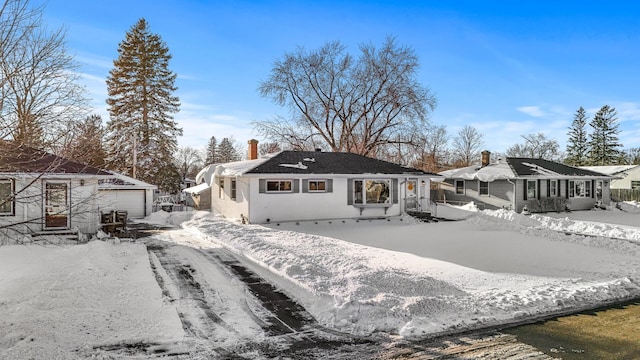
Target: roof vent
318	150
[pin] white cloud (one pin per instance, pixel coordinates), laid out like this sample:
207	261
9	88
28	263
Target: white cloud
534	111
628	111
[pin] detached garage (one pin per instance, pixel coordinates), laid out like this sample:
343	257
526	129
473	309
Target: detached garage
121	192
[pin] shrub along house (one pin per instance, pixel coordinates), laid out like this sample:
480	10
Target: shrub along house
43	194
314	185
513	183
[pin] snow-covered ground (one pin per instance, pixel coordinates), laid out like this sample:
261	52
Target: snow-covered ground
398	276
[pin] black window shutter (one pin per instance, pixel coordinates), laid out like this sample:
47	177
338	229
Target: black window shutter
526	189
548	188
538	189
349	191
395	191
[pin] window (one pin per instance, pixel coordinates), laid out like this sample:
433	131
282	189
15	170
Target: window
221	188
233	189
460	187
635	185
553	188
369	192
531	189
483	188
317	185
279	186
7	202
580	188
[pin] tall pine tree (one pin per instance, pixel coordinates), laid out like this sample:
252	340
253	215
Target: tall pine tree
141	104
577	144
603	142
212	151
227	151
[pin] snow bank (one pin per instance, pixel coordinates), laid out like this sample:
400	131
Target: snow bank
362	289
62	301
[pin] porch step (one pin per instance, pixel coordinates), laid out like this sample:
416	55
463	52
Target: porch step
56	236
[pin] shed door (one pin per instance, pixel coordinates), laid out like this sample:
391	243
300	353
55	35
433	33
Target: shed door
133	201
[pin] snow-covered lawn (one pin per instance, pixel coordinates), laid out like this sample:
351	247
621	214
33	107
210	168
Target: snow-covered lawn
58	302
398	276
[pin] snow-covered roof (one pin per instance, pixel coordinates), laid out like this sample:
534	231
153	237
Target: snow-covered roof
120	181
610	170
487	173
197	189
235	168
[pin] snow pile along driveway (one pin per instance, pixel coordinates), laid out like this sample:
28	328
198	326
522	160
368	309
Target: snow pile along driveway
362	289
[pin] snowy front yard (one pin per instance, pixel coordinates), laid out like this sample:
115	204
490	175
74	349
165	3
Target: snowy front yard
397	276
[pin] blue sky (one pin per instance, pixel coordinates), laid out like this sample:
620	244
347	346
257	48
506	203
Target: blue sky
506	68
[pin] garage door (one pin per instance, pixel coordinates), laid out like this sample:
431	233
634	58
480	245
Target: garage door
130	200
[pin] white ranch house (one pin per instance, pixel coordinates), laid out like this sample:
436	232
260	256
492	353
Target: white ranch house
314	185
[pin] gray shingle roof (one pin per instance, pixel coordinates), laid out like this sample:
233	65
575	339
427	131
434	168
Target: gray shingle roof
523	167
319	162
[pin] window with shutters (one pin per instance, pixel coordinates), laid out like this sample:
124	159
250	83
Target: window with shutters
317	186
279	186
368	192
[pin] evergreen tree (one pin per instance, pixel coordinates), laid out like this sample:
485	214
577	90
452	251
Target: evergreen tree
577	145
227	151
86	145
141	103
603	142
212	151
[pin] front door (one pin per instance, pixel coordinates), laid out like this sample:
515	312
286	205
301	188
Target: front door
56	205
411	195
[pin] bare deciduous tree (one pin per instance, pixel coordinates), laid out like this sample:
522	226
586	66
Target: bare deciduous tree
467	145
360	105
188	161
268	148
536	146
40	97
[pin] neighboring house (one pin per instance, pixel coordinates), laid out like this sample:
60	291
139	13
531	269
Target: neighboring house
120	192
198	196
627	176
41	193
314	185
513	183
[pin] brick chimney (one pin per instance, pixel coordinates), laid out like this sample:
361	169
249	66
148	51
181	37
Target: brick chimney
486	158
253	149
